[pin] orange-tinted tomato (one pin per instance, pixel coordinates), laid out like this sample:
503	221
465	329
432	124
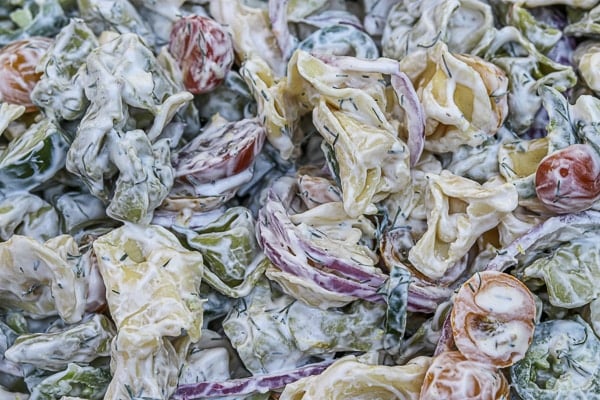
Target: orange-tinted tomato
203	50
18	77
568	180
452	377
493	319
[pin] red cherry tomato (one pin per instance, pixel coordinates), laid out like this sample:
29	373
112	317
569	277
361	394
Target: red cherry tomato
18	77
204	51
220	152
568	180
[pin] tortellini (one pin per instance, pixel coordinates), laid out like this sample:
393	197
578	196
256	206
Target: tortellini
350	377
81	343
350	114
464	97
250	32
39	278
32	158
587	57
28	215
152	286
459	211
466	26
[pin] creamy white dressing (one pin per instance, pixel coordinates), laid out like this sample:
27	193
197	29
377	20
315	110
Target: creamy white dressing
205	365
512	337
124	116
501	298
462	26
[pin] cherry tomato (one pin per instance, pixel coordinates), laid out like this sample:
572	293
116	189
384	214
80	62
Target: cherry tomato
220	152
493	319
18	77
452	377
203	50
568	180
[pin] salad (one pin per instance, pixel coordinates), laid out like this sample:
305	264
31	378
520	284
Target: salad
294	200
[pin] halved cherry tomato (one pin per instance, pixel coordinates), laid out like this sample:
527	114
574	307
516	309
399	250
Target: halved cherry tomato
493	319
452	377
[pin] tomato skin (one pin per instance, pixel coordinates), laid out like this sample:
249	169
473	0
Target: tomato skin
203	50
220	152
18	77
568	180
453	377
493	319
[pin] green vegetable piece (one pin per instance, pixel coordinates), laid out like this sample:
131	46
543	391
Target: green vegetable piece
80	343
216	306
228	244
263	343
479	163
422	334
560	125
160	15
561	363
332	162
537	32
528	69
340	40
117	151
38	279
75	381
9	395
27	214
397	302
272	331
60	92
570	272
413	26
17	322
7	338
115	15
30	18
585	113
32	158
356	328
587	25
232	256
78	210
232	100
22	17
144	180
